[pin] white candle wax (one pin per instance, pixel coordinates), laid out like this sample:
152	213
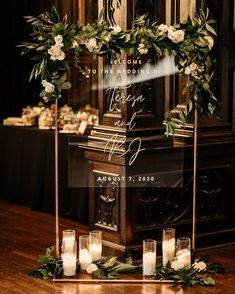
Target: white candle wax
184	256
95	251
149	263
69	264
84	258
168	251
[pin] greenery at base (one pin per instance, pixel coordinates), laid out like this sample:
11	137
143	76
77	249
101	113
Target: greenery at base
110	268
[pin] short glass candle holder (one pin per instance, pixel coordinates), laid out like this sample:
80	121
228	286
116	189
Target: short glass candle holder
69	257
149	257
68	235
168	245
183	251
95	245
85	258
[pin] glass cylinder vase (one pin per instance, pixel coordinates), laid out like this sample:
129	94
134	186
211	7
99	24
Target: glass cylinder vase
149	257
168	245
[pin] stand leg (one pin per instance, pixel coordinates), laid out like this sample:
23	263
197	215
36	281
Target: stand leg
195	176
56	182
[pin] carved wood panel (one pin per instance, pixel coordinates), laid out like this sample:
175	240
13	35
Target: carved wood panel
171	206
106	200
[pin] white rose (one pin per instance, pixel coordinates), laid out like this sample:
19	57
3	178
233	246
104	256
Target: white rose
193	66
162	29
58	39
210	41
91	268
187	70
142	49
179	36
56	52
75	44
176	36
49	87
116	29
200	266
91	45
177	265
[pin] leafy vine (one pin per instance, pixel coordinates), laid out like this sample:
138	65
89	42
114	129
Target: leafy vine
190	42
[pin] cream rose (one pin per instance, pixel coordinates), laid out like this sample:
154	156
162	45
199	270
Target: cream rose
176	36
163	29
200	266
210	41
116	29
56	52
58	40
49	87
142	49
91	268
91	44
177	265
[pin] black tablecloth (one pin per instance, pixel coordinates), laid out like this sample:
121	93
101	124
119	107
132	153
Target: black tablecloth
27	171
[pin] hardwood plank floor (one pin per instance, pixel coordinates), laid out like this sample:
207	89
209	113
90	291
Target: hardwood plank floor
24	234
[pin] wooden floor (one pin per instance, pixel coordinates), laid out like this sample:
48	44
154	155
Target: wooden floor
24	234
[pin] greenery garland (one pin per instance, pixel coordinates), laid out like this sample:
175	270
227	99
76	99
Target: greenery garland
189	42
110	268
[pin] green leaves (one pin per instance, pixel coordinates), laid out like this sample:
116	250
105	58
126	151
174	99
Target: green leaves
50	266
110	268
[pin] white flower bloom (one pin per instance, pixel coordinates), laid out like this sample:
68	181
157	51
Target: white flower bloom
116	29
179	36
210	41
142	49
49	87
56	52
58	39
187	70
200	266
177	265
91	45
193	66
176	36
162	29
75	44
91	268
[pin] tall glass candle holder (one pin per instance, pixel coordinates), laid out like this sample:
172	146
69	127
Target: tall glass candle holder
85	258
95	245
69	257
68	235
168	245
149	257
183	251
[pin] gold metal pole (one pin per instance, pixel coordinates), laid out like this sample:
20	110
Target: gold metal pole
195	175
57	182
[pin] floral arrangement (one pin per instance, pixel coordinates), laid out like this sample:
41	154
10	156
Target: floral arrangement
189	42
110	268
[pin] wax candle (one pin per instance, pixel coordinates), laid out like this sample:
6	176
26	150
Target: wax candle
68	235
85	258
184	256
95	251
149	263
69	264
168	250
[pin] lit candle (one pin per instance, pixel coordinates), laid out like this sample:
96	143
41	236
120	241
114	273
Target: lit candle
149	263
95	251
69	264
184	256
69	235
85	258
168	251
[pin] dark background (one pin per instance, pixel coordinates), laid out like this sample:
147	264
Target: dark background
16	91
